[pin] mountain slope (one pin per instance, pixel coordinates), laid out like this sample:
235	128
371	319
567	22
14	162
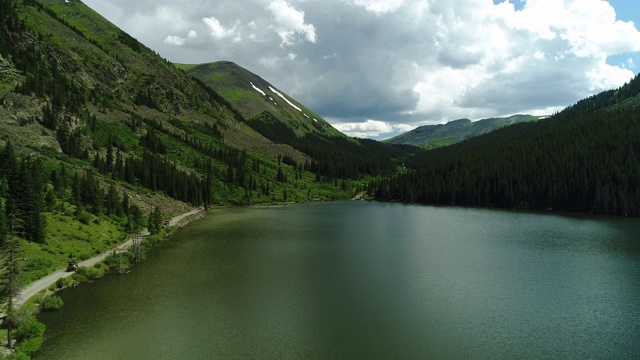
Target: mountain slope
75	84
103	67
584	159
252	95
283	120
435	136
101	137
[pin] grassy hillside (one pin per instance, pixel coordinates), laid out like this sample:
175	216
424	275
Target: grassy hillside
436	136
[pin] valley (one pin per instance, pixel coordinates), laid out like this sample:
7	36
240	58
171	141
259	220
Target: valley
102	138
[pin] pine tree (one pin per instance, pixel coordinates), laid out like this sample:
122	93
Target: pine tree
125	204
135	217
10	284
230	176
3	222
8	163
155	221
112	202
32	204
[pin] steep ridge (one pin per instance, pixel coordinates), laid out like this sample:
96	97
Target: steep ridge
435	136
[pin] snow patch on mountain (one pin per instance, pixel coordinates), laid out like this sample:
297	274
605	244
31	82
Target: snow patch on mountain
258	89
285	99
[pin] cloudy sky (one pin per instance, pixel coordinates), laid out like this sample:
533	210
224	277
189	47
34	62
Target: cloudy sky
375	68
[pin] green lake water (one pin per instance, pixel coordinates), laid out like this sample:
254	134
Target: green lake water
366	280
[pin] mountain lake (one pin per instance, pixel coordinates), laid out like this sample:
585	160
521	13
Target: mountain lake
366	280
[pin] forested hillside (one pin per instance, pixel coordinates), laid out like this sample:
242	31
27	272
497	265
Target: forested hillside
77	90
584	159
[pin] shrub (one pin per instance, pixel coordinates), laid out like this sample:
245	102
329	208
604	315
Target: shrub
91	273
152	240
84	217
31	328
52	303
36	268
18	355
78	277
28	346
37	264
64	282
119	262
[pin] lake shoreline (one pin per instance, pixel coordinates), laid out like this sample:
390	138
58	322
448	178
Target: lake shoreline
35	287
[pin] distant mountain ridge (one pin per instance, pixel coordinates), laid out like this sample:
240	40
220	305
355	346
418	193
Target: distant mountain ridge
435	136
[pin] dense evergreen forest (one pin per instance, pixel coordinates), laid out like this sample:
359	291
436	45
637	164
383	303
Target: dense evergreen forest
335	157
584	159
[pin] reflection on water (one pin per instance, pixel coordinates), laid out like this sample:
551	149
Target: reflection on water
367	280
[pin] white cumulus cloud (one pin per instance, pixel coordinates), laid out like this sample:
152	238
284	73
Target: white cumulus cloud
371	128
494	60
290	23
178	40
380	6
217	30
174	40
